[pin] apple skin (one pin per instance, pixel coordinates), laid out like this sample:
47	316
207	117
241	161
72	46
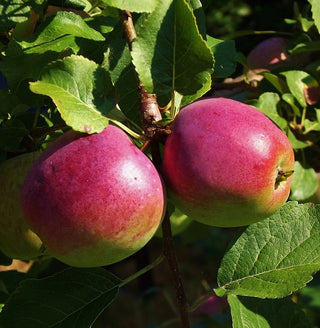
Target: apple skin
222	160
101	198
17	240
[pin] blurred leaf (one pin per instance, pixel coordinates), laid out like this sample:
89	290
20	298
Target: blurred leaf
250	312
311	126
276	81
291	101
304	182
11	134
13	12
141	6
274	257
297	81
170	54
305	46
10	104
315	8
81	90
295	143
73	298
311	295
267	104
225	55
74	4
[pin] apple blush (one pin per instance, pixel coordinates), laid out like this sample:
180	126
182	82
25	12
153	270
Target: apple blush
226	164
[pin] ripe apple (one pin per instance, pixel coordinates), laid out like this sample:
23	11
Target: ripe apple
226	164
268	53
17	240
101	198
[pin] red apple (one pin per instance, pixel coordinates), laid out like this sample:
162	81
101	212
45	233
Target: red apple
226	164
268	53
101	198
17	240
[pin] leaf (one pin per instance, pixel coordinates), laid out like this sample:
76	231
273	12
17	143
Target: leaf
315	8
295	143
73	298
274	257
141	6
13	12
225	55
276	81
63	23
170	54
297	81
250	312
291	101
304	182
267	104
81	90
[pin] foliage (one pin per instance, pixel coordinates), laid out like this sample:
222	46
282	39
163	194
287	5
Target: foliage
68	64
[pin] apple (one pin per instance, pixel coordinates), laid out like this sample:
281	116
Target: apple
17	240
102	199
268	53
211	306
226	164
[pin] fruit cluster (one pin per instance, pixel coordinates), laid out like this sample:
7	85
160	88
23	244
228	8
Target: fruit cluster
95	199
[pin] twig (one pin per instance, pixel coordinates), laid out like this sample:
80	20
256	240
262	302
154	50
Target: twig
150	114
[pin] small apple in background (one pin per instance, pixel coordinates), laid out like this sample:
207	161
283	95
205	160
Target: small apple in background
101	198
212	305
226	164
268	53
17	241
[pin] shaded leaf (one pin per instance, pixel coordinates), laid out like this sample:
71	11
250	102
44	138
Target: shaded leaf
225	55
13	12
304	182
250	312
267	104
274	257
73	298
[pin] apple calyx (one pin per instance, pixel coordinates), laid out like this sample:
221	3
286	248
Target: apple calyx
282	176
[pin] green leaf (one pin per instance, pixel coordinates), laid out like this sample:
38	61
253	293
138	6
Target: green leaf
311	295
141	6
225	55
63	23
13	12
274	257
170	54
297	81
73	298
291	101
81	90
304	182
295	143
276	81
267	104
315	8
305	46
250	312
